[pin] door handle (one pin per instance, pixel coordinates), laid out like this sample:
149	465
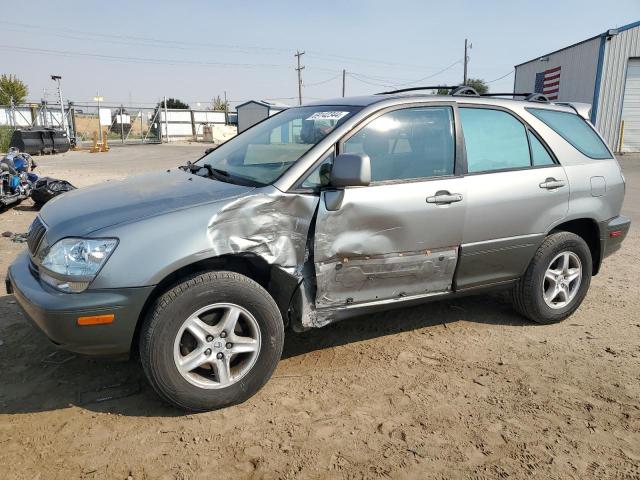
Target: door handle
443	197
551	183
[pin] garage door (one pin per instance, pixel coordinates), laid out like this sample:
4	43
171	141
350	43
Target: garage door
631	108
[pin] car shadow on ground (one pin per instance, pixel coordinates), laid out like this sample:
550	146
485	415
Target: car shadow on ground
36	377
26	207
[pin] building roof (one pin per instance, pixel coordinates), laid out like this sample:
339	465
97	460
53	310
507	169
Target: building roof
264	103
612	31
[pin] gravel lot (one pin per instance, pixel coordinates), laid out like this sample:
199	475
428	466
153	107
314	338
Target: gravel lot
460	389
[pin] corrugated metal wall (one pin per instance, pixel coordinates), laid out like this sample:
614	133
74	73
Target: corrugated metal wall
618	50
631	108
578	75
249	114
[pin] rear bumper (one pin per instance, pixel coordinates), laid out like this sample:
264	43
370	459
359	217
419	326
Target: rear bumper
612	233
56	313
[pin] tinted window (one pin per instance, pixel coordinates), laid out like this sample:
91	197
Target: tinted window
409	143
539	154
494	139
574	130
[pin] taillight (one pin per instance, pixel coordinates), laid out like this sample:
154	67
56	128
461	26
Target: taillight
615	233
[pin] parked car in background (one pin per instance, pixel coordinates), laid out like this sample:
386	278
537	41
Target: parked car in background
322	212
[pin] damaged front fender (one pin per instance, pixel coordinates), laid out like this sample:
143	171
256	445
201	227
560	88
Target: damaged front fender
272	225
266	223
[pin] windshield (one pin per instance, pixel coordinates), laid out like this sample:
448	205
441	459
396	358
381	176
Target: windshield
264	152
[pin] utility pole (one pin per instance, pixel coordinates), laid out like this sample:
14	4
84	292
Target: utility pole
466	59
344	74
298	54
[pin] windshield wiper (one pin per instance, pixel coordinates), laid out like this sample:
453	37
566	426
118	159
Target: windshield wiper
212	172
228	177
221	175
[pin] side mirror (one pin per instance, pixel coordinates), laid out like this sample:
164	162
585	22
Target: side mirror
351	170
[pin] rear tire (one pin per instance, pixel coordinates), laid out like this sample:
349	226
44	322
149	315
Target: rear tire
556	281
211	341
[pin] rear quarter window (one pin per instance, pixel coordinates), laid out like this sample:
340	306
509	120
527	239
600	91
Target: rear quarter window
574	130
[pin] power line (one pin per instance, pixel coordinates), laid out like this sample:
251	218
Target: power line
357	77
500	78
430	76
323	81
343	58
186	45
154	61
380	82
146	40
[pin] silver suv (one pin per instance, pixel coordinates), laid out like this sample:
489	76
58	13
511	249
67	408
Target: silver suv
319	213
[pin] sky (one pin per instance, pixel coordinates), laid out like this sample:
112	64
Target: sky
135	52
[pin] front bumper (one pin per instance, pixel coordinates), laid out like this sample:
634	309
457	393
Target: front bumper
56	313
612	233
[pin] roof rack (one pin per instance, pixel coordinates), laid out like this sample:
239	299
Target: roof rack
413	89
529	97
453	90
464	90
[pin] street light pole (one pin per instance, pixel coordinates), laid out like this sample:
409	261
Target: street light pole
57	78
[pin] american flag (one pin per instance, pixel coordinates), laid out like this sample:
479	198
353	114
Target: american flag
548	83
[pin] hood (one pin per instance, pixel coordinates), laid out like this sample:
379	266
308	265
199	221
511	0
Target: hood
86	210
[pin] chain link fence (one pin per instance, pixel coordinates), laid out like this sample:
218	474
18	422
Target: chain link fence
120	124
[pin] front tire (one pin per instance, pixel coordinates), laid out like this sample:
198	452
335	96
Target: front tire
556	281
211	341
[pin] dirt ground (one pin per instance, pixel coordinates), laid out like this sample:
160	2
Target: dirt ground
459	389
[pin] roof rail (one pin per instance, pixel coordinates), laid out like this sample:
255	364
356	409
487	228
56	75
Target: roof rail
529	97
537	97
413	89
464	90
453	90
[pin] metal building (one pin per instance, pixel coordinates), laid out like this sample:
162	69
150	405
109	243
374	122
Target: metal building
254	111
603	71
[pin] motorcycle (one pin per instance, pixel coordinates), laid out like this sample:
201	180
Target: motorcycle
17	179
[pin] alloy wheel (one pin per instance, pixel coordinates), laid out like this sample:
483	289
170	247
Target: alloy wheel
562	280
217	345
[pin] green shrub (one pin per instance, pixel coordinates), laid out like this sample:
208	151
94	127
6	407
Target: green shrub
5	137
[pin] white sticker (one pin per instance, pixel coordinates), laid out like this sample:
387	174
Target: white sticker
327	115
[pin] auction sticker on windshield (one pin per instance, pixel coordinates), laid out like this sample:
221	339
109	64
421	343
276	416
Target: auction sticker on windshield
327	115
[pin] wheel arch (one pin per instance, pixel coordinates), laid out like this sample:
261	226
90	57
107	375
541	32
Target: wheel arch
589	231
279	282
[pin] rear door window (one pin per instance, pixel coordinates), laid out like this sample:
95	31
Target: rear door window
575	130
494	139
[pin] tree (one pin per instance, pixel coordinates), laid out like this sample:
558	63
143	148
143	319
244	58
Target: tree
220	105
12	87
478	84
174	103
171	103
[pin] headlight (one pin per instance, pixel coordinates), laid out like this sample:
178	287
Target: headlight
72	263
